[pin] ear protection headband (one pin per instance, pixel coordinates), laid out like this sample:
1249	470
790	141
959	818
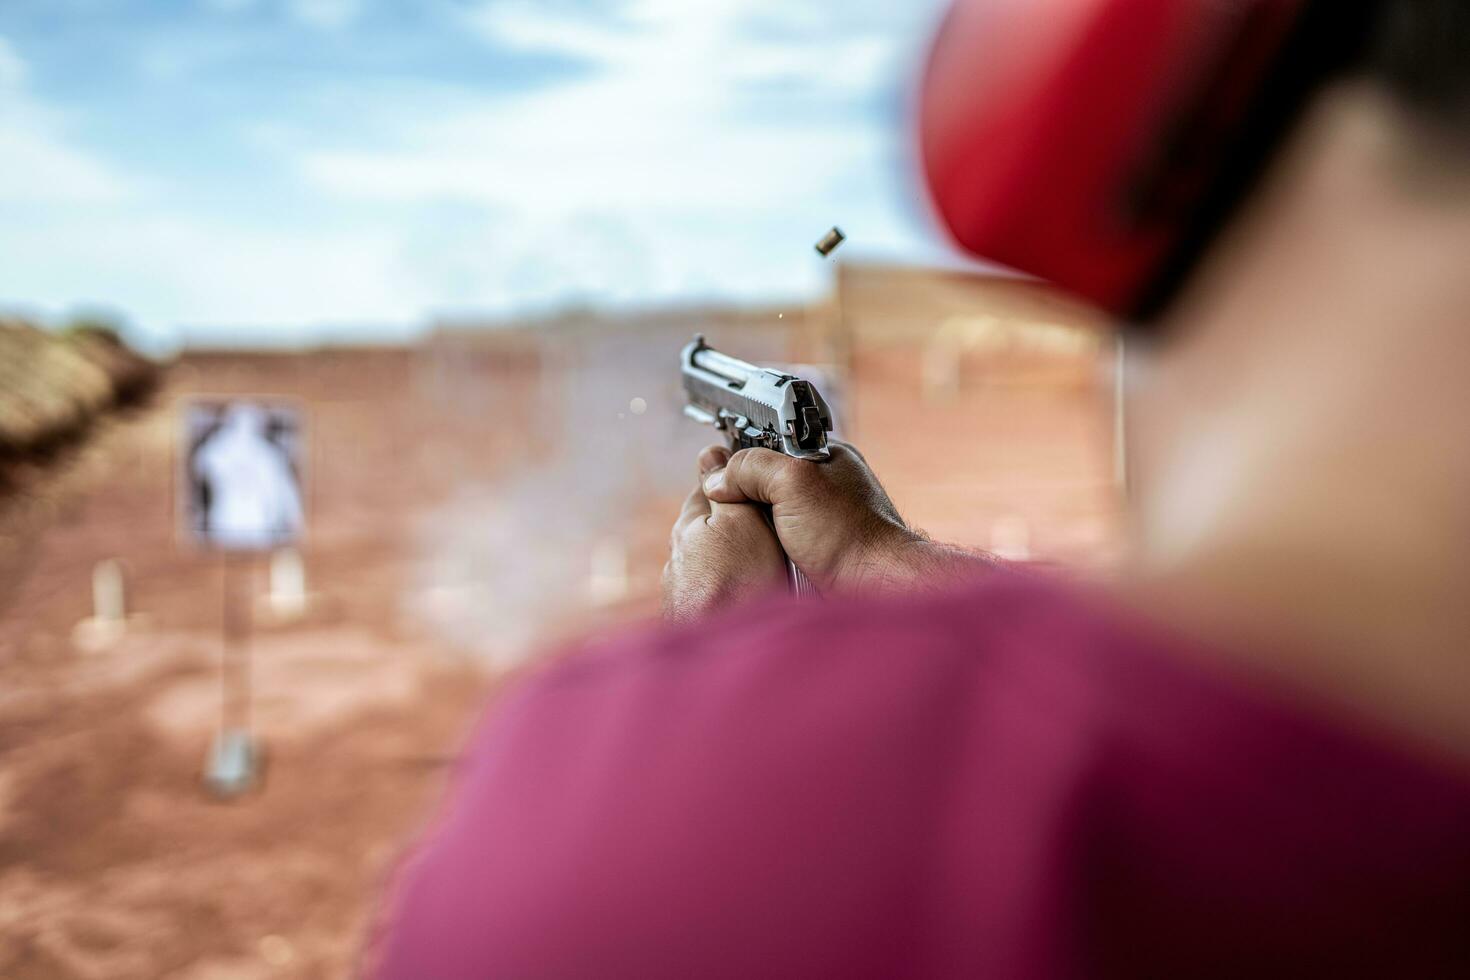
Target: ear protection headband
1101	144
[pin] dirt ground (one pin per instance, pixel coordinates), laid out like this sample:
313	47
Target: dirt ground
467	505
113	861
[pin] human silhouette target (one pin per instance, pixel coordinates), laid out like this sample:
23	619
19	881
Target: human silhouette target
242	474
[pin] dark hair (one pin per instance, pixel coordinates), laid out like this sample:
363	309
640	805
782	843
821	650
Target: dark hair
1416	50
1420	53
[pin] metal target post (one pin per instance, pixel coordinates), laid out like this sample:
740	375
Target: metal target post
233	764
237	628
227	640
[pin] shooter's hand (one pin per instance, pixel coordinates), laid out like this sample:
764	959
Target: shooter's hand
719	553
833	518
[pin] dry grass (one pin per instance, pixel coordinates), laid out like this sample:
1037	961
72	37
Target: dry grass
54	384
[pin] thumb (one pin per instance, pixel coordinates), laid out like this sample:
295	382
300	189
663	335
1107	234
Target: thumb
759	475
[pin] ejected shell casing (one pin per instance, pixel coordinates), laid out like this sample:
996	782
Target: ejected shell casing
830	241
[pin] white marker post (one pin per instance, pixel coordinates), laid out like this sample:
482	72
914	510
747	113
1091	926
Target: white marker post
608	582
287	595
1010	538
109	602
109	619
233	764
939	367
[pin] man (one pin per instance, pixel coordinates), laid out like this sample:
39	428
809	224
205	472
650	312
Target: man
1250	756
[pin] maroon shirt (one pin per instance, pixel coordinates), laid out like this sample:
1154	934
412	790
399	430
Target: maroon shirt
1006	782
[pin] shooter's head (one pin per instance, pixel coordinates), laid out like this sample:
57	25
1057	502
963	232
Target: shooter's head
1105	145
1280	190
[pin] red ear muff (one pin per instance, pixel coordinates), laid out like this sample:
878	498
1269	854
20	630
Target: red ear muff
1080	140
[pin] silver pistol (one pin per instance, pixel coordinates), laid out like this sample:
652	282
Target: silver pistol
756	406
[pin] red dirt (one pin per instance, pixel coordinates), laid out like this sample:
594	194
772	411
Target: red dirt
113	861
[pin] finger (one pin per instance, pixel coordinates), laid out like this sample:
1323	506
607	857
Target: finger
739	518
712	458
696	507
760	475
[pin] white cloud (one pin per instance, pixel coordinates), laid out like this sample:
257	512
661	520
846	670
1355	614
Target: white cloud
655	169
35	168
527	26
696	157
327	14
12	67
173	270
38	162
94	235
699	47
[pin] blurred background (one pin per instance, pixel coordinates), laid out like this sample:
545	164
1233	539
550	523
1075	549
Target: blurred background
465	241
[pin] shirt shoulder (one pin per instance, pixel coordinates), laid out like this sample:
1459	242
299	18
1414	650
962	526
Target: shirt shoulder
1009	780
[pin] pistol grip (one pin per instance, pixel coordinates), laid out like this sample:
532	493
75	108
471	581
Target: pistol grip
796	579
799	583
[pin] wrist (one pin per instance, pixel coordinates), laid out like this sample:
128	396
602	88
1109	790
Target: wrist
900	560
886	559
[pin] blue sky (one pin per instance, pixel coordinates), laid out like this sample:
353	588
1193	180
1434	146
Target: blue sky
282	170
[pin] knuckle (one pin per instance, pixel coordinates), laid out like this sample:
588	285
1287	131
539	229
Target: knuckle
685	536
799	477
753	516
734	523
735	465
747	525
738	520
